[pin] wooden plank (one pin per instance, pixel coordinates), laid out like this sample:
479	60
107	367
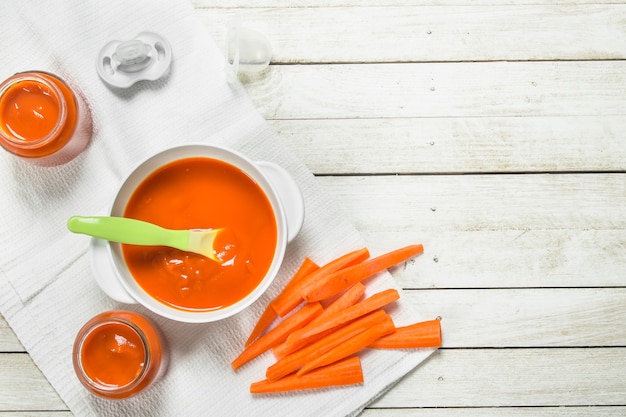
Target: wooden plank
23	387
419	33
458	145
479	89
200	4
548	317
595	411
513	378
485	231
8	341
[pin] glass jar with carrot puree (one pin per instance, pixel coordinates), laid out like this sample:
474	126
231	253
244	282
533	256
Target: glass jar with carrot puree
42	119
118	354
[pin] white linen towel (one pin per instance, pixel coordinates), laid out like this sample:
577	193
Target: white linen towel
47	289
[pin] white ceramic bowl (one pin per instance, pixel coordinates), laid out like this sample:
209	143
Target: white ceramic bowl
281	190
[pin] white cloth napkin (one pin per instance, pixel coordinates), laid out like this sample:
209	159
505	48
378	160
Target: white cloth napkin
47	289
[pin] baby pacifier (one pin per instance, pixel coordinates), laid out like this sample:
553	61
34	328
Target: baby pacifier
123	63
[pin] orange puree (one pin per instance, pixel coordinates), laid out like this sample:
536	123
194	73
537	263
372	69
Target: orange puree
113	355
38	114
119	353
31	110
202	193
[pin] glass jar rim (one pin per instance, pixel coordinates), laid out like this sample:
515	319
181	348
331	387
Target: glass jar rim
36	76
107	389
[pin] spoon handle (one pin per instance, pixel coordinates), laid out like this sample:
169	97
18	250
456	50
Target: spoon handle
129	231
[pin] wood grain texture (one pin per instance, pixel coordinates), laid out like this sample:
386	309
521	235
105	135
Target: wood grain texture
429	33
8	340
477	89
505	318
447	145
23	387
571	411
200	4
494	231
513	377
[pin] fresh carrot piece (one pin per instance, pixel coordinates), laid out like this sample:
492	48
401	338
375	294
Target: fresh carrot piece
426	334
344	261
290	297
296	360
331	284
289	301
351	346
345	372
279	333
270	313
263	323
305	334
347	299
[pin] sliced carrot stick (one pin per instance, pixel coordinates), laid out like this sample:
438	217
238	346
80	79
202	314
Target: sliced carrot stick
290	297
263	323
345	372
426	334
293	296
270	314
331	284
296	360
351	346
347	299
302	336
279	333
344	261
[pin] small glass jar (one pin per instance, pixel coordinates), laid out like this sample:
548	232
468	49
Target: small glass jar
42	119
118	354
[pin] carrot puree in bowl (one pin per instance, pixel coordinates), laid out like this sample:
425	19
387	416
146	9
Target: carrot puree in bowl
202	193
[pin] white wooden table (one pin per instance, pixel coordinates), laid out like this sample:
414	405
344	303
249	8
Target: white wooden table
494	132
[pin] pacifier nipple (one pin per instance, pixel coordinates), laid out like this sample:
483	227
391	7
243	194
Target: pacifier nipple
123	63
132	55
246	49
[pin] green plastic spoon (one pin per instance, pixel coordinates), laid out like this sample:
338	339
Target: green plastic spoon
138	232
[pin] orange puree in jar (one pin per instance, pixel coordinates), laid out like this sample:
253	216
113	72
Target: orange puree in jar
113	354
30	110
118	354
42	119
202	193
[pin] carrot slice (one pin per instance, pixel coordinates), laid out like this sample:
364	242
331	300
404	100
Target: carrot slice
296	360
290	297
270	313
347	299
263	323
426	334
279	333
345	372
351	346
331	284
344	261
302	336
288	303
